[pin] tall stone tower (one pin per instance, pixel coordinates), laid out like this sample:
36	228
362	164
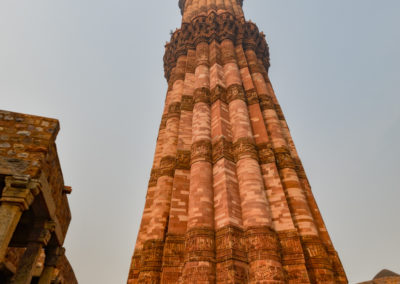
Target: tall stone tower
228	199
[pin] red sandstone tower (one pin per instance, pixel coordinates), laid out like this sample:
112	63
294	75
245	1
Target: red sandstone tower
228	199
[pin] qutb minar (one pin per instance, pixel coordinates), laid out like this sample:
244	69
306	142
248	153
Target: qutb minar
228	200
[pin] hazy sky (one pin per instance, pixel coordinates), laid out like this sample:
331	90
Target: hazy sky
96	65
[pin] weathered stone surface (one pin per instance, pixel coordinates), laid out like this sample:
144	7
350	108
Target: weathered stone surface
228	198
31	183
384	277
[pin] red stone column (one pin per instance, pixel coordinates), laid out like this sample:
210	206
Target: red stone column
232	266
174	248
340	275
292	253
151	191
200	240
160	186
319	267
261	240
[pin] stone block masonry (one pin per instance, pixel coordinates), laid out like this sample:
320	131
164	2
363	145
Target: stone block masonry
228	199
34	210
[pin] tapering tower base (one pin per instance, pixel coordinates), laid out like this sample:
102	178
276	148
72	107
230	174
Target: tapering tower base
228	199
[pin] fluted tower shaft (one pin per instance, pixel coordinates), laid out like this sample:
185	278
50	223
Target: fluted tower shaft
228	200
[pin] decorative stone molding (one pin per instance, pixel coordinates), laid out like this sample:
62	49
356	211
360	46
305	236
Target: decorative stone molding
201	151
183	160
244	148
20	190
218	93
252	97
230	244
265	102
163	123
301	173
262	243
222	149
263	249
187	103
266	153
284	159
175	76
200	245
292	251
152	256
235	92
174	110
214	28
154	175
174	250
201	95
167	166
279	112
182	3
202	54
317	259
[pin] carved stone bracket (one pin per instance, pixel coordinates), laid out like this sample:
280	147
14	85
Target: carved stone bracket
235	92
53	255
201	151
244	148
20	190
222	149
201	95
284	159
41	232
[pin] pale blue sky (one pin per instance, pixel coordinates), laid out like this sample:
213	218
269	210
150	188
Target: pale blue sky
97	67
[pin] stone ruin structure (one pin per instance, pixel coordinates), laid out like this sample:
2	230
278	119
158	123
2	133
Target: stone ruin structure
34	211
385	277
228	199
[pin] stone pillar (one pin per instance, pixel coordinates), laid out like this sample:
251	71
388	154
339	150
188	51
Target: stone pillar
319	267
38	239
232	265
292	253
200	237
262	242
174	247
17	196
53	255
